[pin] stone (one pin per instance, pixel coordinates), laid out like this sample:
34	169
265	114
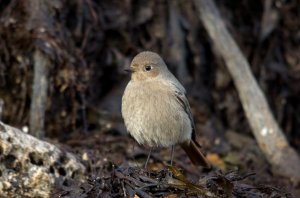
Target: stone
29	167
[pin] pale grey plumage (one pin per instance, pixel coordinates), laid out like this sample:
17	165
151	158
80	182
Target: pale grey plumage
155	109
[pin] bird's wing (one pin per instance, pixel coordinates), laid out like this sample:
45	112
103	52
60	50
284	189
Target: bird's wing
183	101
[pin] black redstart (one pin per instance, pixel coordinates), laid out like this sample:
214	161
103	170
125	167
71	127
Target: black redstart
155	109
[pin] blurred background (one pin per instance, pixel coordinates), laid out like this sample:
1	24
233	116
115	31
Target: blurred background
86	45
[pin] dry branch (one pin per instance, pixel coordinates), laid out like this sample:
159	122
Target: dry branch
39	94
29	167
177	42
41	22
268	134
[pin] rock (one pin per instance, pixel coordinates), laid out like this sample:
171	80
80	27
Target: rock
29	167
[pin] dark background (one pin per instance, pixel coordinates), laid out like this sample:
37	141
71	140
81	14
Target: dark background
89	43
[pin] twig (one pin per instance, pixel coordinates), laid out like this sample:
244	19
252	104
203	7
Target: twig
1	107
177	41
39	95
40	21
268	134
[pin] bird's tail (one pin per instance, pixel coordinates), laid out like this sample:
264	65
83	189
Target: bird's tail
194	153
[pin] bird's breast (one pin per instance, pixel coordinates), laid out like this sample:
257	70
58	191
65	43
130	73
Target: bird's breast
153	116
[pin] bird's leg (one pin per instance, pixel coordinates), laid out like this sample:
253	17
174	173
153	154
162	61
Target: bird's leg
148	158
171	164
172	155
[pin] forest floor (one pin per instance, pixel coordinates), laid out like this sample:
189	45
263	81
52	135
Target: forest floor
116	169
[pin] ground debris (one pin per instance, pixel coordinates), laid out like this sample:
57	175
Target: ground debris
168	182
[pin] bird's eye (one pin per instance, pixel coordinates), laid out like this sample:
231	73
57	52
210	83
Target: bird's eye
148	67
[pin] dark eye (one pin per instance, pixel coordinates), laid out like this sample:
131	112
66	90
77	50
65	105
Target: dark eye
148	67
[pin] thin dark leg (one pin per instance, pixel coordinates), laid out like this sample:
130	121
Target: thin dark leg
148	158
172	155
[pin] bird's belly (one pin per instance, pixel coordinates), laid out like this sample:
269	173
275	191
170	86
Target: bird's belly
157	121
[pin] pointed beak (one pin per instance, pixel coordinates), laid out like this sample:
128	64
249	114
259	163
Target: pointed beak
129	70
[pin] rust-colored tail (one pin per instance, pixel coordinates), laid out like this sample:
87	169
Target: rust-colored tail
194	153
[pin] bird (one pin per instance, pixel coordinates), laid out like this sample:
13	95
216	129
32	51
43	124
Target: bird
156	111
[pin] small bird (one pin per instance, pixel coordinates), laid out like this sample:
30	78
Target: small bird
155	109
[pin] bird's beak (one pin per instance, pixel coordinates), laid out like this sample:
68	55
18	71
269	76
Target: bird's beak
129	70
